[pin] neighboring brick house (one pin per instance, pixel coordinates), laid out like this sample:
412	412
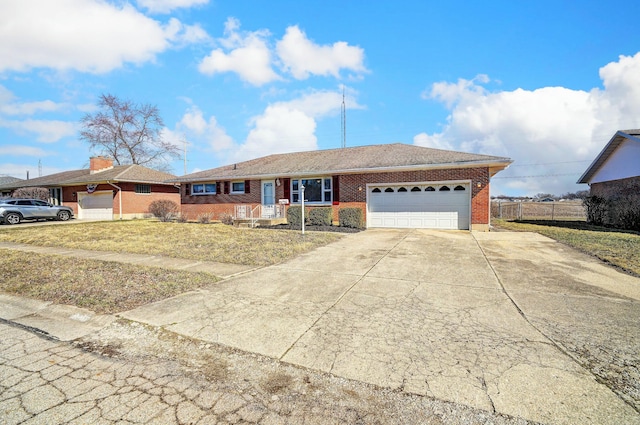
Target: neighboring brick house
615	174
5	183
104	191
395	185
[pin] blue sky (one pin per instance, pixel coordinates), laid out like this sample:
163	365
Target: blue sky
546	83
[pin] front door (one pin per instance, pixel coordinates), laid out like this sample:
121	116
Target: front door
268	198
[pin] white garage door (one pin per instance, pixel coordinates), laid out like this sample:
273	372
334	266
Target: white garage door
421	206
95	206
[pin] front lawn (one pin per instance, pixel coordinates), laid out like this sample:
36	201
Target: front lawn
617	247
100	286
195	241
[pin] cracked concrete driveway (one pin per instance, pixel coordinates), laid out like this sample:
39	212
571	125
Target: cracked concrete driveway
508	322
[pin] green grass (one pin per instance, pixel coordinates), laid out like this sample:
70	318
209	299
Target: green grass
202	242
618	247
100	286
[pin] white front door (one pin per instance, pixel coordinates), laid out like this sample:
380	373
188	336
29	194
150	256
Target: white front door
268	198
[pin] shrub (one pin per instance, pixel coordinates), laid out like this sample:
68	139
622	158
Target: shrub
597	209
41	193
294	215
164	209
182	218
351	217
624	212
321	216
205	218
226	219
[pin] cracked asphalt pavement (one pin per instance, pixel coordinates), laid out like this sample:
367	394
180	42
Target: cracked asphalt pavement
420	326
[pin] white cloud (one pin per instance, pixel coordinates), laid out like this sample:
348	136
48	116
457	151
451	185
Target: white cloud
279	129
290	126
302	58
195	127
248	55
46	131
20	150
552	133
166	6
84	35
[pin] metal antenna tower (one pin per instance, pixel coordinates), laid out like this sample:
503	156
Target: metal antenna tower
344	121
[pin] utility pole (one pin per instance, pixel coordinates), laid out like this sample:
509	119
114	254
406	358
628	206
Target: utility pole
344	121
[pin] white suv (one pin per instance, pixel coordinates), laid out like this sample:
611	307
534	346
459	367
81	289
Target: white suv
13	211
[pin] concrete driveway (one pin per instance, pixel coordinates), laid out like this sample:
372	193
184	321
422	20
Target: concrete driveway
508	322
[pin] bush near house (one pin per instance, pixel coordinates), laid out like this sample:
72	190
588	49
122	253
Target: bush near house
164	209
294	215
621	212
321	216
41	193
351	217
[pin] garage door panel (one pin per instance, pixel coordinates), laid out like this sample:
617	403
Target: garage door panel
419	209
95	206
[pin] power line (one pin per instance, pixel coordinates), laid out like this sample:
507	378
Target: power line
539	175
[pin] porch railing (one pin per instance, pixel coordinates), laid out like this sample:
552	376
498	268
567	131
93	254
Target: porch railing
253	213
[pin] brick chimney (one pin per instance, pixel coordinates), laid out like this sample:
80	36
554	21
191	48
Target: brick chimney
99	163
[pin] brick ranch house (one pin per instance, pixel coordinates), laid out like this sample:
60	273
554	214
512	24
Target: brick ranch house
104	191
395	185
615	173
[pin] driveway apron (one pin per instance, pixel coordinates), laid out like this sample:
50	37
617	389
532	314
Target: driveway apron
420	311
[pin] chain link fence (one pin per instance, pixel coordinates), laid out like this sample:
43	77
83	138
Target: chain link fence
568	210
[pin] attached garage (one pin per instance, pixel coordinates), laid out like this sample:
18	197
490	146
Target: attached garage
95	206
424	205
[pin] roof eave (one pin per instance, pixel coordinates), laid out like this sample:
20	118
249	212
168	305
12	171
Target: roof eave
495	166
603	156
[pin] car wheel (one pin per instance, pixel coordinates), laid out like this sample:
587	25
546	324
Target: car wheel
12	218
64	215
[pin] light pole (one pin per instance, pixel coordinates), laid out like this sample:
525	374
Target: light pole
302	203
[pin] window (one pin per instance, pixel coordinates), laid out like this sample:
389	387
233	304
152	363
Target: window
389	190
444	189
376	190
203	189
402	189
318	190
459	188
415	189
143	188
430	189
237	187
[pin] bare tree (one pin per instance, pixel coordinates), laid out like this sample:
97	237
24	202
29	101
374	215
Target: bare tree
128	133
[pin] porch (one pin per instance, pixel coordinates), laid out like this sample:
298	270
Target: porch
259	215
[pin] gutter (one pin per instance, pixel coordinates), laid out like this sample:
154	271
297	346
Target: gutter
119	196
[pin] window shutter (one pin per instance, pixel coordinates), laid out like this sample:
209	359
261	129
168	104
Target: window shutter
218	188
336	188
287	188
226	188
247	186
187	188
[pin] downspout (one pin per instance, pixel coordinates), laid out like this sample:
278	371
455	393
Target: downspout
119	197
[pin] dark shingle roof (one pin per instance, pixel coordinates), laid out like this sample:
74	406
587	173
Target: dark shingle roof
8	181
119	173
603	156
374	158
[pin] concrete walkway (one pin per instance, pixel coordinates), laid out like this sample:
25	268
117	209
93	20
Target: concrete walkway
507	322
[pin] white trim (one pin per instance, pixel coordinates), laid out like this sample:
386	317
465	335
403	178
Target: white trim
237	192
204	186
262	183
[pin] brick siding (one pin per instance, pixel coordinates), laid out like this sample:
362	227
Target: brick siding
352	192
133	204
